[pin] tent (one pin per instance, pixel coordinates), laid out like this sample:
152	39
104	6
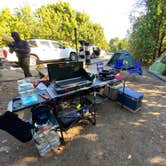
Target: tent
128	59
158	68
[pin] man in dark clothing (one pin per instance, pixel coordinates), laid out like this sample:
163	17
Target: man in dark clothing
22	50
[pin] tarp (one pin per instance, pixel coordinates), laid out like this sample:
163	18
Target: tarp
128	59
158	68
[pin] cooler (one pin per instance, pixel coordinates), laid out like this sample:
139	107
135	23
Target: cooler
130	99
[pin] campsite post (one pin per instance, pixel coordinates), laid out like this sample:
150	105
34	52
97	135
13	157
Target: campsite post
75	34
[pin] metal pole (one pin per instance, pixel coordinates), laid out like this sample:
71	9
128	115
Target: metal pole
75	34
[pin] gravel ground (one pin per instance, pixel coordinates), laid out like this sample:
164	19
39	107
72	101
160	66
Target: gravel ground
120	138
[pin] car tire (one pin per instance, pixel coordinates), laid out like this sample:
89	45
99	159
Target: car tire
73	56
33	60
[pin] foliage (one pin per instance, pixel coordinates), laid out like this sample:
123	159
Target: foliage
6	20
118	44
148	37
24	22
53	21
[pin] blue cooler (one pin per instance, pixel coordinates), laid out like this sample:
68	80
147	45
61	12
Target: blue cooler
130	99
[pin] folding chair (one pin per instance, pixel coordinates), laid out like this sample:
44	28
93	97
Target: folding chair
137	69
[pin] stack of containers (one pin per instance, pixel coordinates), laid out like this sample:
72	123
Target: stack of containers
46	138
27	92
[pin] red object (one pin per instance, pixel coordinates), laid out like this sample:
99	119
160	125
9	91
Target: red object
44	96
5	53
46	128
118	77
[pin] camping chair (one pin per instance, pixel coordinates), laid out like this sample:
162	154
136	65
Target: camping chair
137	69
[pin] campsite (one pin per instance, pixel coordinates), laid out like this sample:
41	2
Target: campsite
83	83
117	139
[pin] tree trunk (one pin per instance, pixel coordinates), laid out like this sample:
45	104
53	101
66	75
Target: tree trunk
160	51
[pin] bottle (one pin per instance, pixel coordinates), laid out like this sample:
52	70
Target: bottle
99	67
85	110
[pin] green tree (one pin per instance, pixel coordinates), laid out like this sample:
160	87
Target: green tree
92	32
6	19
148	36
141	42
116	44
53	21
24	22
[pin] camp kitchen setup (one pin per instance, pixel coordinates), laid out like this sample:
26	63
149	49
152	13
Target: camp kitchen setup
68	96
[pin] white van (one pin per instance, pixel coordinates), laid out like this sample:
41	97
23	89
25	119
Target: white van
43	50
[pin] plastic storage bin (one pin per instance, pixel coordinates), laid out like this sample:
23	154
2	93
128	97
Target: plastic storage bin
28	97
27	92
111	91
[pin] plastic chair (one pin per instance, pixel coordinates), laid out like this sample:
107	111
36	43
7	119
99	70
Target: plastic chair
137	69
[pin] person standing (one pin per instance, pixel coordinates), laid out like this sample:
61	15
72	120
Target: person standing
22	50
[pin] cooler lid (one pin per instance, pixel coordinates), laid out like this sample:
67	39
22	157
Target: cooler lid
132	93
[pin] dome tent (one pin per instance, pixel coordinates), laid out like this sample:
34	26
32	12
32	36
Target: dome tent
158	68
128	59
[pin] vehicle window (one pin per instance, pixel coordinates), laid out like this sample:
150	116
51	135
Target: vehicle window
55	45
32	44
44	44
60	45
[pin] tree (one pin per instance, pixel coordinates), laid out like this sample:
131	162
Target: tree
6	19
118	44
24	22
148	37
141	42
53	21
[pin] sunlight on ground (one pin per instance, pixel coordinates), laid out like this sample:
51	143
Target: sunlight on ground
26	161
90	137
135	123
152	92
157	160
74	131
154	103
142	120
153	113
139	122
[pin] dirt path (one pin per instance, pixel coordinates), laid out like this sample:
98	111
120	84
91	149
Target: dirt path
119	138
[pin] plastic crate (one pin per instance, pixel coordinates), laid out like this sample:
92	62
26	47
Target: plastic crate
111	91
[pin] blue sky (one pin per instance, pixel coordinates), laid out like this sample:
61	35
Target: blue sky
112	15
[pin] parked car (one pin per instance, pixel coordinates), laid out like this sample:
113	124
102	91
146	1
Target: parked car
43	50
